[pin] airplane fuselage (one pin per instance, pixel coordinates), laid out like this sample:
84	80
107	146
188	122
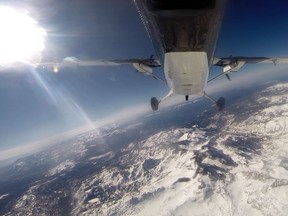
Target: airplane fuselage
184	35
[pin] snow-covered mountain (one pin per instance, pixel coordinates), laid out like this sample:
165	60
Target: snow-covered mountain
231	163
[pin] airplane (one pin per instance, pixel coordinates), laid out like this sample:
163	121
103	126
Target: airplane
184	35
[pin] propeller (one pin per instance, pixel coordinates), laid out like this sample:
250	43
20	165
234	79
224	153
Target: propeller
228	77
219	75
146	69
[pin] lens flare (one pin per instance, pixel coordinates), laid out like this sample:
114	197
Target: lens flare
61	98
21	38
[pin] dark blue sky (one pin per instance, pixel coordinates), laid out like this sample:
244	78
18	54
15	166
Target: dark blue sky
107	29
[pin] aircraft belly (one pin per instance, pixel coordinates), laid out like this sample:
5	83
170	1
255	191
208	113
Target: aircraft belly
186	72
182	26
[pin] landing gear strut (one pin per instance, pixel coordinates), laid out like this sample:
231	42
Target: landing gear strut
154	102
220	103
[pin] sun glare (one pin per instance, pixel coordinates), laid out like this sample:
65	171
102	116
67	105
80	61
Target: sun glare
21	39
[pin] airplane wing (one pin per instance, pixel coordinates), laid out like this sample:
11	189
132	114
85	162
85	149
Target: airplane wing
141	65
233	64
74	62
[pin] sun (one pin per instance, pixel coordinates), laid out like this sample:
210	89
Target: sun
21	39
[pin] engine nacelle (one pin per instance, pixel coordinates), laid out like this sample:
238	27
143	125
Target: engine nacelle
233	66
142	68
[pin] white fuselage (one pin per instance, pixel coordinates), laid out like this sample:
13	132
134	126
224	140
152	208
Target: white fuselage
184	35
186	72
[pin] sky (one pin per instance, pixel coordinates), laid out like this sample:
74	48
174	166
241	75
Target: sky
39	105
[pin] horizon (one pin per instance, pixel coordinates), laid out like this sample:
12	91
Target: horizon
75	98
9	155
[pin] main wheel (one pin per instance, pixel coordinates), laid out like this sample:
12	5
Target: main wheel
154	103
220	103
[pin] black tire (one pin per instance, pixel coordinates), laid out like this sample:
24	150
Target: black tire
221	103
154	103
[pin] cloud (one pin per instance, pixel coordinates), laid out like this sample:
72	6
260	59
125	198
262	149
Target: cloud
30	148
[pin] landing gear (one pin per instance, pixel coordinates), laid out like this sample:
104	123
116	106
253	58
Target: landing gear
154	103
220	103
